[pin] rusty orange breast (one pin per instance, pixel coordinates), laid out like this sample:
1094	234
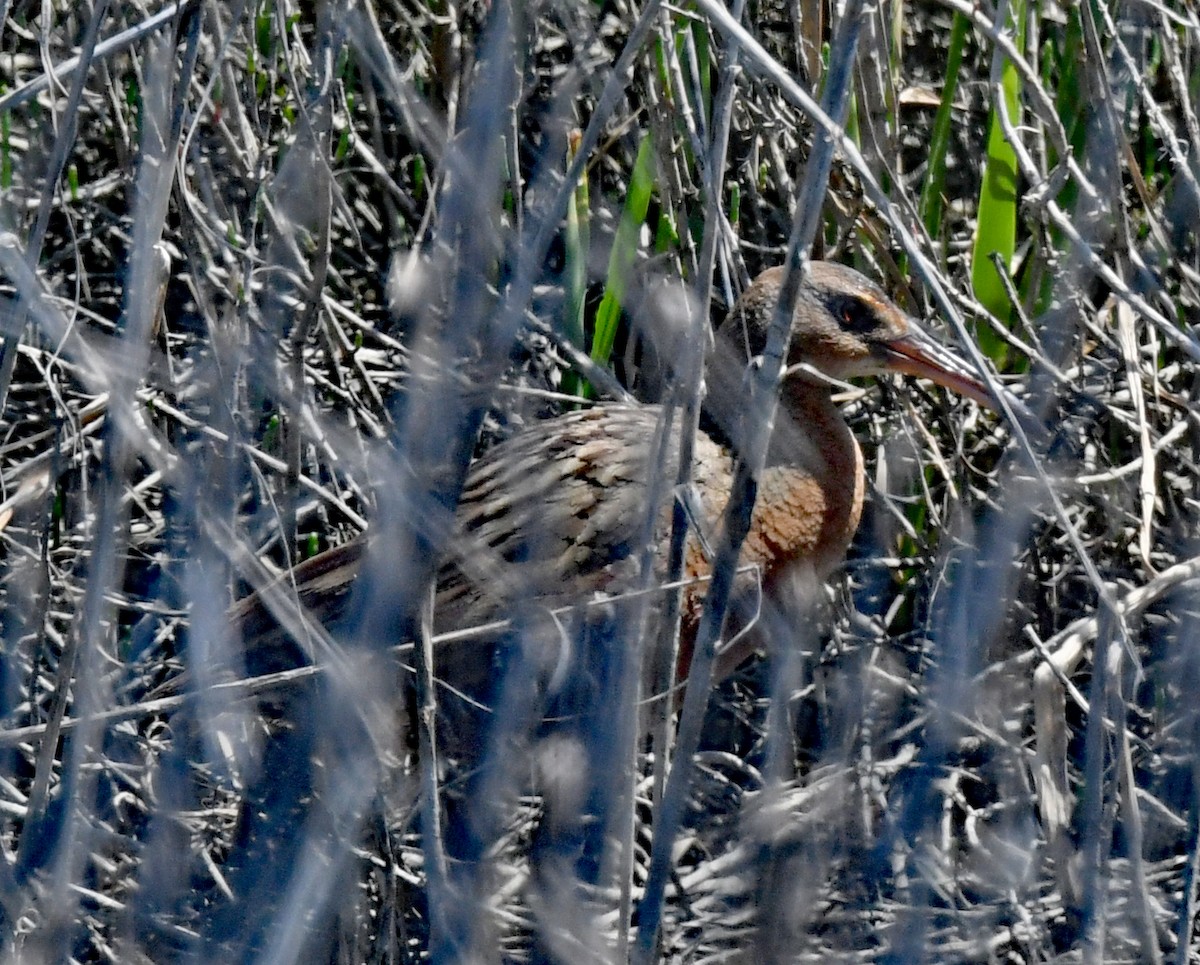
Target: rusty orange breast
806	511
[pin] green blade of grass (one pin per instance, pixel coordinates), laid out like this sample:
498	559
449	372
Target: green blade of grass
6	164
703	64
933	192
578	239
1061	66
624	251
996	227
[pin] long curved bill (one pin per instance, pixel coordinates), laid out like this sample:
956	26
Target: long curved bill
916	353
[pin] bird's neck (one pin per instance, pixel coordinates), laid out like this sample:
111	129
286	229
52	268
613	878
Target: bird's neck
811	434
812	441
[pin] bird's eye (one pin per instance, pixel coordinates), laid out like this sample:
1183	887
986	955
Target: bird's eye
854	316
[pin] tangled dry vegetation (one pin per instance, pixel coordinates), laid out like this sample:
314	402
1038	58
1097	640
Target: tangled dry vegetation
271	271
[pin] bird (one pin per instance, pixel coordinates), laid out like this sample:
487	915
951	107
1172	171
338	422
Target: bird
557	513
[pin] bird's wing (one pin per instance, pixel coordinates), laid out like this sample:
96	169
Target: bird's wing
552	513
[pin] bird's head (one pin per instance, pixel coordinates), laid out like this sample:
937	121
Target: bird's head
845	326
